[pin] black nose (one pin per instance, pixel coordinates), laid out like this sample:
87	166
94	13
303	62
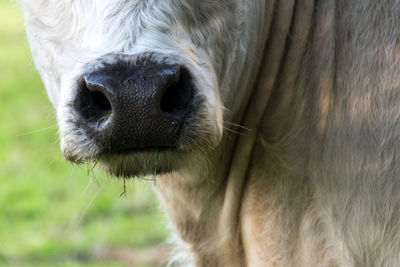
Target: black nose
134	107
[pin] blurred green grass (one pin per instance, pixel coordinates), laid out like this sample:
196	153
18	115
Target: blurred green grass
51	212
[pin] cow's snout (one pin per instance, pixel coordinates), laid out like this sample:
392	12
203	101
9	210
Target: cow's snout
134	107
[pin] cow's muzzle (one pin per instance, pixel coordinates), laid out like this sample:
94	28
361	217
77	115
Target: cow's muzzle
126	108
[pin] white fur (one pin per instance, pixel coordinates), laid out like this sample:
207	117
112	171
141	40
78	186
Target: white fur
315	182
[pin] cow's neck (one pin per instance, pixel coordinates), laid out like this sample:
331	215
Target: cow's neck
328	148
206	212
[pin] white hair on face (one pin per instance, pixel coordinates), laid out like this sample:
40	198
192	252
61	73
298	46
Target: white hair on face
66	36
210	38
71	34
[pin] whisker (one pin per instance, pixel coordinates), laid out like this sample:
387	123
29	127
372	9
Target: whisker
237	125
87	187
78	222
91	173
38	131
94	165
233	131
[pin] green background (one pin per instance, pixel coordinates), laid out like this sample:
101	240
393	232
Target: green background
53	213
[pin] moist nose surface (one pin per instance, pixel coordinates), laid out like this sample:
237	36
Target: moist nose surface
134	107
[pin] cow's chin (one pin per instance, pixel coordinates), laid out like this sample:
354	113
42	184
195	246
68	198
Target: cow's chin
144	163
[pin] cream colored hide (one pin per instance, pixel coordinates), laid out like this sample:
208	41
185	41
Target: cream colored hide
316	179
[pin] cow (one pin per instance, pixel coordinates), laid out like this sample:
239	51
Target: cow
273	127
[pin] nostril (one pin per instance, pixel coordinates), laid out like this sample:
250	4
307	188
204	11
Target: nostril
93	105
177	96
101	105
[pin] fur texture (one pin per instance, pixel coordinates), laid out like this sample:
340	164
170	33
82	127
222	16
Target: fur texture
315	181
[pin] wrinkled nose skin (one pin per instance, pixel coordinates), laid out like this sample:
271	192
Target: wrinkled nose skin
134	107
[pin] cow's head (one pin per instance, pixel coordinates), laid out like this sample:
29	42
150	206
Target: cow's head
142	85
